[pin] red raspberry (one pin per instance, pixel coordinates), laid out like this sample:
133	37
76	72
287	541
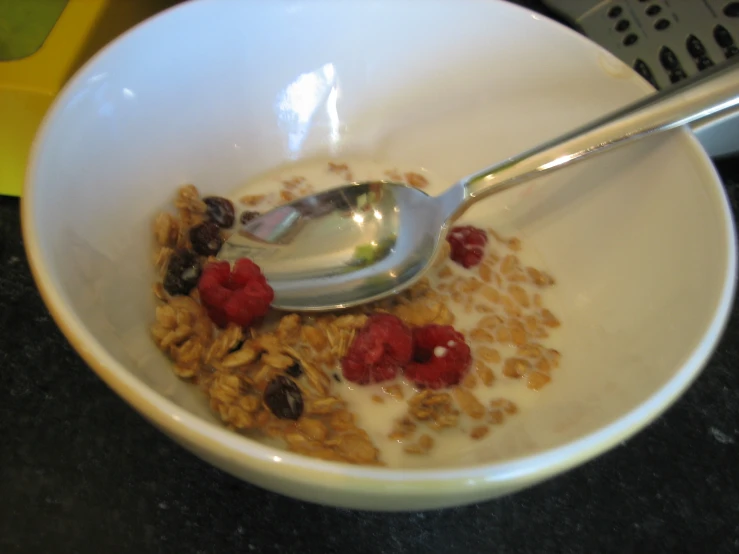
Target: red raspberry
381	348
239	296
441	357
467	245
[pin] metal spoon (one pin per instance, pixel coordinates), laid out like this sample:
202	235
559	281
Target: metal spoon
364	241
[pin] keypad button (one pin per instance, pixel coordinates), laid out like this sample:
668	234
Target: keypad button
722	36
731	51
662	24
622	25
677	75
642	69
615	11
731	9
703	62
695	46
653	10
630	39
668	59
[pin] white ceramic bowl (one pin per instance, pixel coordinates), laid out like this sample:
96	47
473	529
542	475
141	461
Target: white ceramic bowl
216	91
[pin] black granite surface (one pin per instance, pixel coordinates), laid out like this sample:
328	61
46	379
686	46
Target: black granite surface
80	471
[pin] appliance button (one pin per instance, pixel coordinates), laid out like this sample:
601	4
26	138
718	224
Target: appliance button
630	39
704	62
668	59
731	9
722	36
677	75
641	67
695	47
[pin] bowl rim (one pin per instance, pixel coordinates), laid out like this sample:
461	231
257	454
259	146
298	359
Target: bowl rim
264	459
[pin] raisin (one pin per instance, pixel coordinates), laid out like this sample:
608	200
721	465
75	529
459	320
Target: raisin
283	398
183	272
206	239
247	216
294	370
220	211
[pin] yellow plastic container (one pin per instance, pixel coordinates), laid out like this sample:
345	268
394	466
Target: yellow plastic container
29	81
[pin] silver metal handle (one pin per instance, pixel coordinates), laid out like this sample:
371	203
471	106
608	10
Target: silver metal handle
696	98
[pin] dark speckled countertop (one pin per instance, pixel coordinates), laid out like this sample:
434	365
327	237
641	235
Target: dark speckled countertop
80	471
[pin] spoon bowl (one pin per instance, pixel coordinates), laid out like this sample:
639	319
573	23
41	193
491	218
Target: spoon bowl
348	245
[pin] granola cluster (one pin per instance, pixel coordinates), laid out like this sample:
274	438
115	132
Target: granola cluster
281	379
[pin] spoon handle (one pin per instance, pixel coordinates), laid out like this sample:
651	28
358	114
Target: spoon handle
700	96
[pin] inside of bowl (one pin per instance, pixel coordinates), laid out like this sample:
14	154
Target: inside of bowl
637	239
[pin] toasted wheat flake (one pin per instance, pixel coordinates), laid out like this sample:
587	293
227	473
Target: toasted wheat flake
468	402
537	379
470	381
479	432
444	272
516	367
416	180
491	294
252	199
519	295
334	167
394	175
489	355
485	373
486	274
549	319
395	391
479	334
